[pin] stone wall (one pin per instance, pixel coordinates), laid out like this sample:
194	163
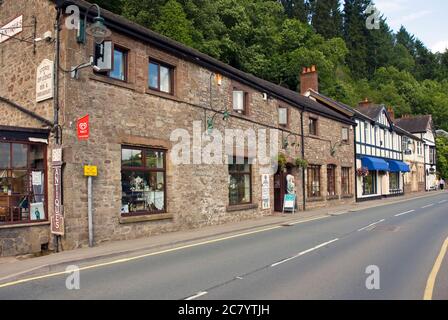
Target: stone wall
18	64
128	113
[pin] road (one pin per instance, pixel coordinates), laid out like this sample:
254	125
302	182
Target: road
319	259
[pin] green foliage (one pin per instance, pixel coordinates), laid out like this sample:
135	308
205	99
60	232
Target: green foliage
442	157
275	39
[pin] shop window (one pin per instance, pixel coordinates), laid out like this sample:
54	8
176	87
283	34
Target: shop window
331	180
345	181
22	183
394	181
313	183
240	181
369	183
160	77
143	181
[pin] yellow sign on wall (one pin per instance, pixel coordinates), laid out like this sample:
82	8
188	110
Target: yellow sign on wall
90	171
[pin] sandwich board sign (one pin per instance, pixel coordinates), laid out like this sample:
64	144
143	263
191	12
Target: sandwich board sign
289	203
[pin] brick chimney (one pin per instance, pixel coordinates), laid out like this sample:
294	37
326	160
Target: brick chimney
366	102
391	112
309	79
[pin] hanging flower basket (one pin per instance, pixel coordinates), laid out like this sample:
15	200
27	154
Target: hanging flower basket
362	172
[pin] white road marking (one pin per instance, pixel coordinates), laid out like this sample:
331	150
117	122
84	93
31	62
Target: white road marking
402	214
371	225
304	252
443	201
199	294
429	205
303	221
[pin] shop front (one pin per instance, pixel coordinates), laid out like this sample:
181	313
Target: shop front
23	187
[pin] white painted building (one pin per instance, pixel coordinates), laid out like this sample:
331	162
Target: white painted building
379	154
422	127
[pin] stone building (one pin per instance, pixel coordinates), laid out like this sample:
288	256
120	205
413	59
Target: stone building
158	103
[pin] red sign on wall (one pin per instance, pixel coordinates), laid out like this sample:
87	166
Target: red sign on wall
83	128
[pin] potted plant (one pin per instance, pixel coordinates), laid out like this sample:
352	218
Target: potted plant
362	172
301	163
281	160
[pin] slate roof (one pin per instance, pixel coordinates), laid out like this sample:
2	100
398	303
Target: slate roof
415	124
371	111
136	31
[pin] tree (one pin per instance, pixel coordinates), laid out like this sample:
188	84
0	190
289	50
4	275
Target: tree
114	6
326	18
174	24
356	36
442	156
296	9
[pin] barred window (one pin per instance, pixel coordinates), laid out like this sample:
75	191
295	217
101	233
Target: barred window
331	180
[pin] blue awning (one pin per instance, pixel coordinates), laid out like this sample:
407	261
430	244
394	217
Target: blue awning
373	164
398	166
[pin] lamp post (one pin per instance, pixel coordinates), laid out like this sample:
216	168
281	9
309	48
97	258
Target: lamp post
97	30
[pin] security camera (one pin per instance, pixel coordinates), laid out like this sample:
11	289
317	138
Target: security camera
48	36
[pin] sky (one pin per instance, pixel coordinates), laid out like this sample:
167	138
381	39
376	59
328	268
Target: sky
427	20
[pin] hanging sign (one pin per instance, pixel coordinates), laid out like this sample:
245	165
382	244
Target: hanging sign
11	29
83	128
44	80
265	192
57	219
289	203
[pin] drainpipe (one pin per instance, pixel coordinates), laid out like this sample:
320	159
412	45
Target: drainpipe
303	157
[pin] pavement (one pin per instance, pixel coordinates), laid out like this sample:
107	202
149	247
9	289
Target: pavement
181	264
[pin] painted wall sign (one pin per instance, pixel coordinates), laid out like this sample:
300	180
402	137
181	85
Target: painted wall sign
11	29
83	128
265	192
44	80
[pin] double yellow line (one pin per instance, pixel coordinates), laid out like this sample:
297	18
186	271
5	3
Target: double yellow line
429	290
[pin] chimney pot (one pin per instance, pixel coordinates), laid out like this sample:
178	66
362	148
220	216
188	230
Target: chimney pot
309	79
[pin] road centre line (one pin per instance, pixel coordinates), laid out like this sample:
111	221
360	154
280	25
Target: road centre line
403	213
199	294
427	206
443	201
304	252
372	224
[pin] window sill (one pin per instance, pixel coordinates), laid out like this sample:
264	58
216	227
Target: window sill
112	81
144	218
347	196
241	207
333	197
24	225
315	199
161	94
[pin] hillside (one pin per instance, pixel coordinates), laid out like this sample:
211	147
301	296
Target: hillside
275	39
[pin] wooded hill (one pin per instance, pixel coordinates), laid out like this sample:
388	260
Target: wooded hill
275	39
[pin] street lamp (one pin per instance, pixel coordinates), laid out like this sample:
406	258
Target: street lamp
97	30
